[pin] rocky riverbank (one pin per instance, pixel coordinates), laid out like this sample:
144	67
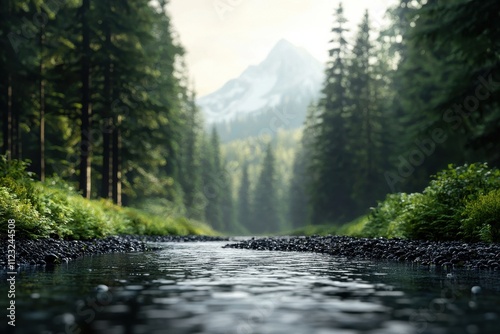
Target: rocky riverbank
54	251
448	255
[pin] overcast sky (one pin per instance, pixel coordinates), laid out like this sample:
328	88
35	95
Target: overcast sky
223	37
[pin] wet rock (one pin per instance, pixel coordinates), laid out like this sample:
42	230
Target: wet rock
51	259
445	255
52	252
101	288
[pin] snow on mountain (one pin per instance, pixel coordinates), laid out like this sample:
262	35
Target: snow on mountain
288	75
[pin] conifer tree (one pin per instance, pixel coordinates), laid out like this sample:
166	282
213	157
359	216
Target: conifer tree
244	205
190	168
366	124
86	109
299	206
332	158
211	188
227	202
265	202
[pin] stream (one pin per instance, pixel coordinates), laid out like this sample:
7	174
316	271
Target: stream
204	288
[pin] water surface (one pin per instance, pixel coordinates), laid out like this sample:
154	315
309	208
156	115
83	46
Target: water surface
204	288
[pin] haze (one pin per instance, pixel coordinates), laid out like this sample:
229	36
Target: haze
223	37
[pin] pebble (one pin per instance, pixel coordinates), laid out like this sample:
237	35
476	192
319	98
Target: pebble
54	251
447	255
51	259
101	288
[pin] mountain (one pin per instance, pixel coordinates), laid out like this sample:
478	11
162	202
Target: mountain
273	94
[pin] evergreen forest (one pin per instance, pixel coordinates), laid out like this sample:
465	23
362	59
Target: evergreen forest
96	99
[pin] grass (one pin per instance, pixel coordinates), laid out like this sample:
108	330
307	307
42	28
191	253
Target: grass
354	228
54	209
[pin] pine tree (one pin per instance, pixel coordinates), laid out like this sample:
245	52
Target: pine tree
213	213
86	110
19	63
244	204
461	78
332	157
227	202
265	201
190	175
366	123
299	208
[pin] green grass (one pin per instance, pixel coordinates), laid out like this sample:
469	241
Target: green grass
55	209
354	228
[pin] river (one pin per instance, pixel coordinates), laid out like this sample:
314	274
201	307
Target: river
204	288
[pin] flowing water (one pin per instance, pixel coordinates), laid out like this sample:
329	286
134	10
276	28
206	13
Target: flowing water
204	288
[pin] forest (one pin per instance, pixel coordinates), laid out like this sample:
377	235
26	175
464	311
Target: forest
95	96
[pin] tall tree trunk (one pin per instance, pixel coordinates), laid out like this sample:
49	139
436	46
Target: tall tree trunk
15	136
85	144
117	168
7	120
106	186
41	158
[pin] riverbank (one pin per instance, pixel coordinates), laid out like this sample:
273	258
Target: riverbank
448	255
54	209
41	252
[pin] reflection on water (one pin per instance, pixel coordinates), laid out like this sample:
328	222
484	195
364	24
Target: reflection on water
204	288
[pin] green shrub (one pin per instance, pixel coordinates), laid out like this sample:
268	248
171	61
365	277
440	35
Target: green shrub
438	212
29	222
55	209
15	169
386	219
437	215
482	218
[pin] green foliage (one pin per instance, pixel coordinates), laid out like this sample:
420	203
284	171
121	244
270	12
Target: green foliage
437	214
351	147
459	203
55	209
28	220
331	157
385	219
15	169
482	218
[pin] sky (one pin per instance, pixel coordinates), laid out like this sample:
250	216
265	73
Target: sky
223	37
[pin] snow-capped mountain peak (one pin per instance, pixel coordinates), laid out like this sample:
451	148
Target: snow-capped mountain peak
288	74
